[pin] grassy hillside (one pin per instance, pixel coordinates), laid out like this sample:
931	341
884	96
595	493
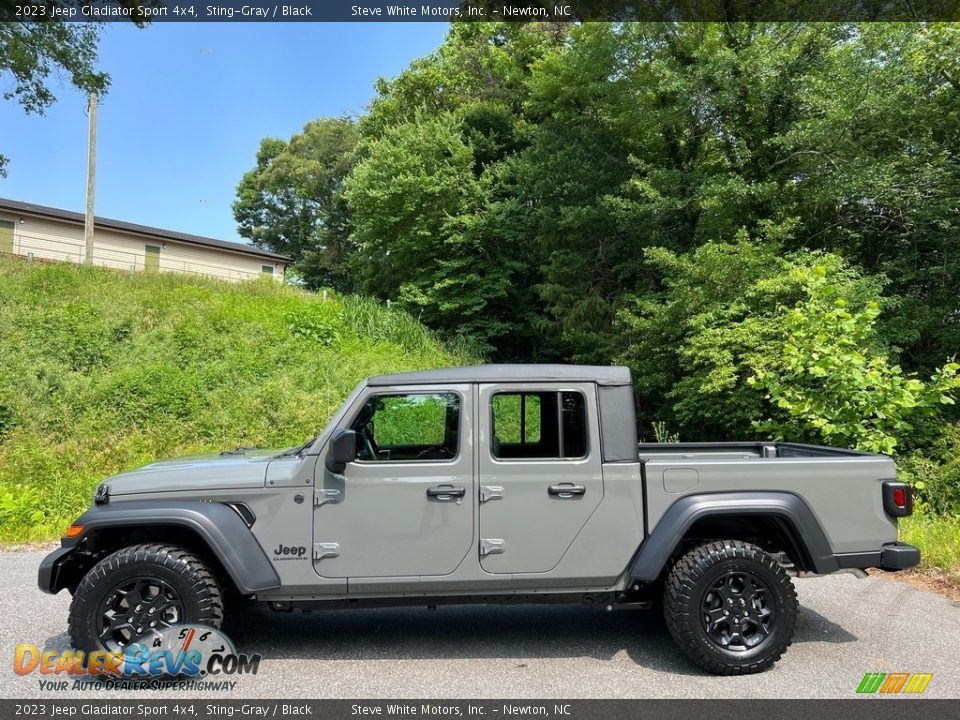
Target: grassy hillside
102	371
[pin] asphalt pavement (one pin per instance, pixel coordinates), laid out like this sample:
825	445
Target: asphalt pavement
847	627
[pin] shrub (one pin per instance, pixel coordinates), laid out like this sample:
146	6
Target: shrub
319	322
833	379
721	313
935	474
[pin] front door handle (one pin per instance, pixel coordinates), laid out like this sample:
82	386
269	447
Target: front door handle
446	493
566	490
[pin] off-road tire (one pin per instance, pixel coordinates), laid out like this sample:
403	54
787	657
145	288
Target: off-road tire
183	573
691	600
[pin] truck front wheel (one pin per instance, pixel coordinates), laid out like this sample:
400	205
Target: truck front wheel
140	589
731	607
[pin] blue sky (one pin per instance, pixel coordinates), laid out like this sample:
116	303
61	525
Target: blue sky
187	108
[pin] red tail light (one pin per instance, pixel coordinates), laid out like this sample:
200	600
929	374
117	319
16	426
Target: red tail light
900	497
897	498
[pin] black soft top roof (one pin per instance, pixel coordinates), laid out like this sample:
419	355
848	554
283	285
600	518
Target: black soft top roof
600	374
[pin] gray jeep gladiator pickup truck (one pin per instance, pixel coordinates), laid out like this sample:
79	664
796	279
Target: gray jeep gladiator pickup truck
490	484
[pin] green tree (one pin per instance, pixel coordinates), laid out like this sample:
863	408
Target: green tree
834	386
674	135
31	51
569	153
719	312
878	162
571	178
292	203
439	222
421	233
478	63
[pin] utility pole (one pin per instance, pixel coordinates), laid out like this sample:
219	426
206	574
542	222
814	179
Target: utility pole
91	175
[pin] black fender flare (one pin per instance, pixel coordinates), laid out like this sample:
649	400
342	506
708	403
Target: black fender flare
656	550
219	526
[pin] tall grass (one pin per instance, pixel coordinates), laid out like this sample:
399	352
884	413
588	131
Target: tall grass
103	371
938	538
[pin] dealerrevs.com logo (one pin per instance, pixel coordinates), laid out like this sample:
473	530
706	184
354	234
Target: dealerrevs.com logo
171	658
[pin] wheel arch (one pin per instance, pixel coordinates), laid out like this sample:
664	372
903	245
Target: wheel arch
782	518
216	531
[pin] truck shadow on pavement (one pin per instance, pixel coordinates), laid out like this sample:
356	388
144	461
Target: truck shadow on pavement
522	633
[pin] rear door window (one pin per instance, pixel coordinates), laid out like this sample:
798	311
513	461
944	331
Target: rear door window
539	425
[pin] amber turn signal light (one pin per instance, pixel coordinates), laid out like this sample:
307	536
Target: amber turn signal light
74	531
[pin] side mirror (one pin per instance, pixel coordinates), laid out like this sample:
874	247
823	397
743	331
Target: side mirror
343	450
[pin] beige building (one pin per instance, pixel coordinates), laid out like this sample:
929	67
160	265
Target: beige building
45	233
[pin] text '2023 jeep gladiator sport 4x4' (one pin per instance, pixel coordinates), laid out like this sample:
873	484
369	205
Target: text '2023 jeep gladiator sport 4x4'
499	483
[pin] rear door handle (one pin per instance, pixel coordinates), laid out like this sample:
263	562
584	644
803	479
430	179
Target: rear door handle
446	493
566	490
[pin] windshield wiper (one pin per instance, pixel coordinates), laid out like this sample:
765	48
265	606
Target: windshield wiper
298	450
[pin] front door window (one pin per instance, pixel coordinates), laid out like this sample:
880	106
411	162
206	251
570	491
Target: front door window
418	426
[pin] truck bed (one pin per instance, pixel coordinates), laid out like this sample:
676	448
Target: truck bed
831	481
740	450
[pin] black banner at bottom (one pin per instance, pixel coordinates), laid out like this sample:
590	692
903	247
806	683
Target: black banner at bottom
873	708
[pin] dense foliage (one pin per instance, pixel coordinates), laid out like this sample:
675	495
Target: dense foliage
831	383
762	220
105	371
291	201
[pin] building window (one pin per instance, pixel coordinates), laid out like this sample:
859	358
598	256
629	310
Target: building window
151	262
6	237
266	269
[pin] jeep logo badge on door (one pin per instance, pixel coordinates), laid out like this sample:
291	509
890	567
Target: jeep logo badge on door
298	551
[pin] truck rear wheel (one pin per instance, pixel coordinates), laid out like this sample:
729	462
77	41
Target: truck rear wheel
139	589
731	607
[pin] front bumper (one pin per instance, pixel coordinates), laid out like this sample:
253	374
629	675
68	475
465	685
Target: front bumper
62	568
895	556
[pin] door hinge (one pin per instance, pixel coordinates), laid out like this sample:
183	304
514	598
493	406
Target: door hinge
490	492
491	546
324	495
325	550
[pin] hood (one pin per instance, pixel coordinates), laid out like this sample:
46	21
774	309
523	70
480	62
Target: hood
218	471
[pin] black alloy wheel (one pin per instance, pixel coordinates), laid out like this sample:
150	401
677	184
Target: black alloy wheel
140	589
730	606
136	607
738	612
